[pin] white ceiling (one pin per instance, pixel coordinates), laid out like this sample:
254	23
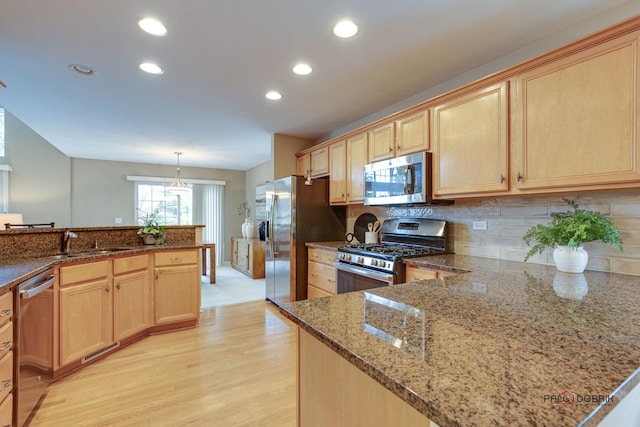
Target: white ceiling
221	56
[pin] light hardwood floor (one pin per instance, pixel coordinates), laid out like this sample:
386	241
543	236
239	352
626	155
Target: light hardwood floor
238	368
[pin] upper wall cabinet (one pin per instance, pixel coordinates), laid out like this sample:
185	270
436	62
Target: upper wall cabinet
408	134
347	158
470	142
314	164
575	120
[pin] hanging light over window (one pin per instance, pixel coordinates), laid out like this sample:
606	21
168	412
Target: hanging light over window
178	186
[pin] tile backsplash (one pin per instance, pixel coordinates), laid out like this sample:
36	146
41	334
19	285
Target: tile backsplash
508	218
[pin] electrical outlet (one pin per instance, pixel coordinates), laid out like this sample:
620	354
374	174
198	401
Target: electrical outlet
479	225
118	221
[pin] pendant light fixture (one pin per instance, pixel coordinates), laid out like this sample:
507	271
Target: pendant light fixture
178	186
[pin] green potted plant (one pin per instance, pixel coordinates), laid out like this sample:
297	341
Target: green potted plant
567	231
151	232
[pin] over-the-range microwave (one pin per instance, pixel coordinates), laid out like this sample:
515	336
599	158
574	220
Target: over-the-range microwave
402	180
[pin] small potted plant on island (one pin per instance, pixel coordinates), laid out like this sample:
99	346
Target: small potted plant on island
151	232
567	231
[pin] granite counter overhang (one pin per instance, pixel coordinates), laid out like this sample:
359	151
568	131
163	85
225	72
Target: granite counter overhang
15	270
502	344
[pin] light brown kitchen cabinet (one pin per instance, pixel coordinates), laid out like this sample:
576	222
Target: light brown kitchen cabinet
382	142
314	163
470	140
332	392
176	286
6	358
338	172
131	296
412	133
86	311
356	159
346	177
303	164
248	256
575	120
321	274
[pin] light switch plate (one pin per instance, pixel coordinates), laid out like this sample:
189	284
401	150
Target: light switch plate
479	225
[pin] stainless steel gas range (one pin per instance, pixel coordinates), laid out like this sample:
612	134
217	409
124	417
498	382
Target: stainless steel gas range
366	266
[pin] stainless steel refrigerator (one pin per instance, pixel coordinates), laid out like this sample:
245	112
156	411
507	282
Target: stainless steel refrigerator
296	213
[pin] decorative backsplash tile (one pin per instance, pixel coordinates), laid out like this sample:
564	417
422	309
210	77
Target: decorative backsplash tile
508	218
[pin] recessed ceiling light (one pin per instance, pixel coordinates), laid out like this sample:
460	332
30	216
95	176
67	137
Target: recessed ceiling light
345	29
152	26
151	68
273	95
302	69
82	69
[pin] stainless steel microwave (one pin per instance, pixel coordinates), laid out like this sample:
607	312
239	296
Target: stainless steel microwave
399	181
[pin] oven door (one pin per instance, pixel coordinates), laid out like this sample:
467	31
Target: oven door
353	278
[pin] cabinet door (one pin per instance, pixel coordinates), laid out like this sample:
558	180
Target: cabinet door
413	133
131	304
303	165
6	411
86	312
575	120
382	142
356	159
320	162
470	143
337	176
177	294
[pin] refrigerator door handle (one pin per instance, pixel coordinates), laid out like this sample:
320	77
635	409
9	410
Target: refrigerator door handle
270	234
274	214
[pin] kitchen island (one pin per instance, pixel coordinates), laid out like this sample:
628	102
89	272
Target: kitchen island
501	343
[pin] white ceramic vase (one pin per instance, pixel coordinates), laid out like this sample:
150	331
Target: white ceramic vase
249	229
244	229
570	260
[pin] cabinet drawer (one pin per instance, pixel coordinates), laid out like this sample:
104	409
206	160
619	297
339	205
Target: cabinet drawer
322	276
6	339
6	307
313	292
131	263
175	258
84	272
324	256
6	375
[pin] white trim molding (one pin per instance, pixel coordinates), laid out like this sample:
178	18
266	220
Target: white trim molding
137	178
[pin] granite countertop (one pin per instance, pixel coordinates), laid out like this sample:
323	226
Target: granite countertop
500	344
18	269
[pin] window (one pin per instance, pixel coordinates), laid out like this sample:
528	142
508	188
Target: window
171	209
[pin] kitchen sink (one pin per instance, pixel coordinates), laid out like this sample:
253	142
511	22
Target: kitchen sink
88	253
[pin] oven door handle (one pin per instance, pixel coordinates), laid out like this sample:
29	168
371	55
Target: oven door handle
31	288
378	275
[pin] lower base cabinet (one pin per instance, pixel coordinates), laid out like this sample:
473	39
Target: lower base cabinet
248	257
106	302
333	392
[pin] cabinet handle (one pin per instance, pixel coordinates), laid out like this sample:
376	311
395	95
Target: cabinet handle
5	345
501	178
108	289
6	312
518	177
156	276
390	149
5	385
398	147
118	286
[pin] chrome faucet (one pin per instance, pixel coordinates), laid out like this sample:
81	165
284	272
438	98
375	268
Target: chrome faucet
66	245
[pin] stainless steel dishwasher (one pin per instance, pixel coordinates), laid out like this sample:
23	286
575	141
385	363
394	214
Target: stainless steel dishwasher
35	343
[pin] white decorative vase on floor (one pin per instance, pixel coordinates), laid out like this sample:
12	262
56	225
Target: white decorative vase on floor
570	260
244	229
250	228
